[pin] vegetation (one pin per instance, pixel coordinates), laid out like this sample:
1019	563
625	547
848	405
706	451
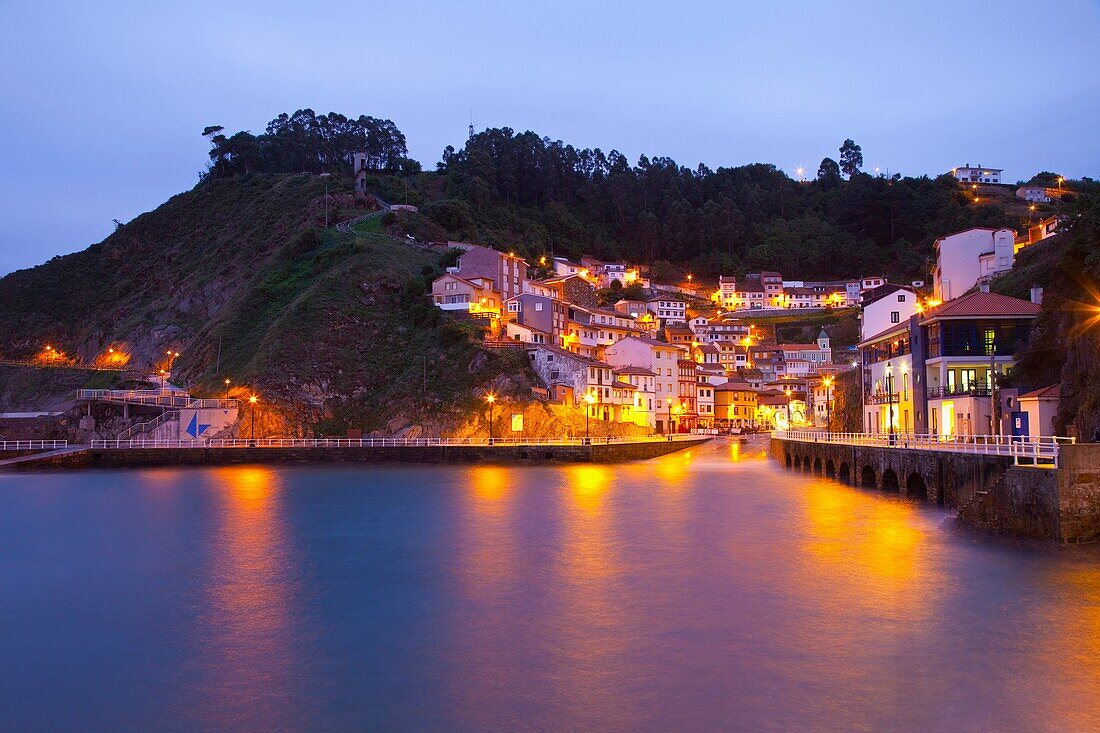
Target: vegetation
1065	345
334	330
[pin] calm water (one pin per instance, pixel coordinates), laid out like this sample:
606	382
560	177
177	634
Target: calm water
705	591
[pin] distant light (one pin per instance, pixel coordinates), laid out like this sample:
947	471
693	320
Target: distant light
253	399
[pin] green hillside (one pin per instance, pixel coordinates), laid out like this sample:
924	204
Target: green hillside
333	330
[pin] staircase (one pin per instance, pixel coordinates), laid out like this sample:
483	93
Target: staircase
142	429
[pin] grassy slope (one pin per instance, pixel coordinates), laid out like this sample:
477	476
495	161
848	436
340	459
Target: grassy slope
334	330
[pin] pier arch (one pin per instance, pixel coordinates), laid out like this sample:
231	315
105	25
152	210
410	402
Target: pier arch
830	468
916	487
867	477
845	473
817	465
890	481
788	460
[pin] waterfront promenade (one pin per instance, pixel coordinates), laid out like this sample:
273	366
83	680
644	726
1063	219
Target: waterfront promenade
1045	488
140	452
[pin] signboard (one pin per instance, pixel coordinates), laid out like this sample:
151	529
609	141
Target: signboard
517	423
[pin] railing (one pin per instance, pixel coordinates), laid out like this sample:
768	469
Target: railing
149	426
974	389
1035	450
155	397
378	442
33	444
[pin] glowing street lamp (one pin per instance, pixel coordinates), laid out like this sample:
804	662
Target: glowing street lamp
800	171
827	382
589	399
491	399
252	400
227	388
890	400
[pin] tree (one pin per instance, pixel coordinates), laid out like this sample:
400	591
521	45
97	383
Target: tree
828	173
851	158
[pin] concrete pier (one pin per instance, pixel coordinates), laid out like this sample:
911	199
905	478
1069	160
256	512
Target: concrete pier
443	454
988	491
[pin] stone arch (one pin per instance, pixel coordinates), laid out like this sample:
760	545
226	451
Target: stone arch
890	481
806	463
830	468
845	473
788	460
915	487
817	465
867	477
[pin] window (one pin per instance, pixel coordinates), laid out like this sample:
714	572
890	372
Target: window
895	317
901	297
538	306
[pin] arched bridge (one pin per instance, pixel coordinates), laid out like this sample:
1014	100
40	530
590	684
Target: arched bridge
1001	488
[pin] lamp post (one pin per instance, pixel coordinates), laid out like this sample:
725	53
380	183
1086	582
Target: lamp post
227	388
890	400
828	383
788	392
491	398
589	400
252	400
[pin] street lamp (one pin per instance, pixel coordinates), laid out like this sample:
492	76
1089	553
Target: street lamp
252	400
828	384
490	398
590	399
890	400
227	388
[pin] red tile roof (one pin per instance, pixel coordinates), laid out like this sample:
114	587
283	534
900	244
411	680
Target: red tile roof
981	305
1053	392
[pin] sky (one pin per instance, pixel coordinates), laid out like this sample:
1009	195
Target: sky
103	103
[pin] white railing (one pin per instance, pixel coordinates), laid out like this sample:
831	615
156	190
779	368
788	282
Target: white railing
377	442
155	397
1030	449
151	425
33	444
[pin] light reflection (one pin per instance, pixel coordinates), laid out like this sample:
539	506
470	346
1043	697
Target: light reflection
245	633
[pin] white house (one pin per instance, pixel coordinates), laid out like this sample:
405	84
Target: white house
668	309
965	258
1035	194
895	306
979	174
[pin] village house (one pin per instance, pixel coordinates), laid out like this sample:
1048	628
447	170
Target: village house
570	377
507	271
668	309
977	174
539	312
572	289
658	357
476	295
735	404
962	340
645	396
967	257
686	417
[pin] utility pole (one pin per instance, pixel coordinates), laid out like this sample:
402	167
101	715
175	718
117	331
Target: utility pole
994	403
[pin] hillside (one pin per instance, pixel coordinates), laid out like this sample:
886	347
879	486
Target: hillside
331	329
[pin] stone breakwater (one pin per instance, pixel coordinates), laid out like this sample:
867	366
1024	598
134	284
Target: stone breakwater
988	492
442	454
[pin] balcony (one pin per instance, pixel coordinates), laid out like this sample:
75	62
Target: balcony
882	398
973	389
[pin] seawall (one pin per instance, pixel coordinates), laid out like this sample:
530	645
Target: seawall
441	454
989	492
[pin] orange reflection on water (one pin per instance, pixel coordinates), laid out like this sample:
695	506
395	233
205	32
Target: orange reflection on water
867	539
248	623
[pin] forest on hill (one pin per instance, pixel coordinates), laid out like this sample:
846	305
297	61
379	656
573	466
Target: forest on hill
537	195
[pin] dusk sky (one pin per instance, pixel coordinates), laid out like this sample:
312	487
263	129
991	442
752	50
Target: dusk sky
103	103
